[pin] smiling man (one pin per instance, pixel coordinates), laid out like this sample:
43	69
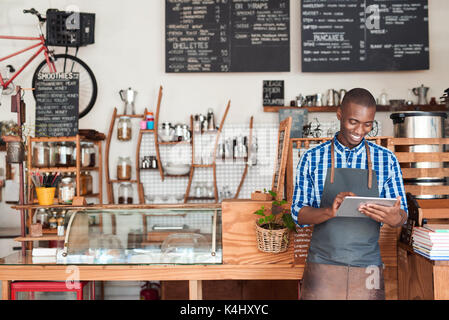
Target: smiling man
344	259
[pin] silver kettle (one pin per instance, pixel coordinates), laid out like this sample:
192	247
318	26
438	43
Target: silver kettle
128	96
421	93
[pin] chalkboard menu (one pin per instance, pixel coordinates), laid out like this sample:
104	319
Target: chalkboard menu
367	35
57	104
227	36
301	244
273	92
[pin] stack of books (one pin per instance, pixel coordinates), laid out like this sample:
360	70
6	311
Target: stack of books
432	241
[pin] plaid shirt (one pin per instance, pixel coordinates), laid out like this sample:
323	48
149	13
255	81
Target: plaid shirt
311	172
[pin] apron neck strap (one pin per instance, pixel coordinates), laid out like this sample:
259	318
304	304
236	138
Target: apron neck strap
368	156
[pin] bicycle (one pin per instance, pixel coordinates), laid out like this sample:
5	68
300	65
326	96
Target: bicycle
52	63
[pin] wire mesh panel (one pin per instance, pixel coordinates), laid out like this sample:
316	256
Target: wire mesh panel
229	168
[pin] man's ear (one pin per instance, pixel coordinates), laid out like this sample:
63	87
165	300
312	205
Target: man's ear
339	113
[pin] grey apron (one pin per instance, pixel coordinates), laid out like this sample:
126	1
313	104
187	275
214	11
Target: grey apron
342	248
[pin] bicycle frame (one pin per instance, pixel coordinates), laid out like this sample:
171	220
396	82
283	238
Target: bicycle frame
41	47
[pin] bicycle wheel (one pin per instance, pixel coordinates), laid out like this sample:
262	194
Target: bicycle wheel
87	82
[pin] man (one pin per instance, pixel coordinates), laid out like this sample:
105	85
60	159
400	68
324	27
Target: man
344	259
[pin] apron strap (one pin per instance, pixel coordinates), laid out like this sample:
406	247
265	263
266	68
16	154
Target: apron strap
368	156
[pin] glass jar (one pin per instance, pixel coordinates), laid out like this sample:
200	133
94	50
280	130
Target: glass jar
66	190
52	221
41	155
53	151
92	153
124	129
42	218
124	168
87	154
86	182
64	156
125	193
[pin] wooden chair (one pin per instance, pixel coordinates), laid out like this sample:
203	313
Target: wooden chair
411	158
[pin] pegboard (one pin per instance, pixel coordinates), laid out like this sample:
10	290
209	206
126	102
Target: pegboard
229	173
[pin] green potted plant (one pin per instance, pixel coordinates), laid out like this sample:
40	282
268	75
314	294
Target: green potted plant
274	226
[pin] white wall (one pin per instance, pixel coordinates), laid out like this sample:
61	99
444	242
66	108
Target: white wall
129	50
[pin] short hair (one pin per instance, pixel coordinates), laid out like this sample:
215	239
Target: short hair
359	96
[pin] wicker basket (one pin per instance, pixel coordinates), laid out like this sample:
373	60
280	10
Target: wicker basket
274	241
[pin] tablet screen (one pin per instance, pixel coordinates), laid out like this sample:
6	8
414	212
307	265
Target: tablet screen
350	205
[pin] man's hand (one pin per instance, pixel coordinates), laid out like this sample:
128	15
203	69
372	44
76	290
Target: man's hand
389	215
339	200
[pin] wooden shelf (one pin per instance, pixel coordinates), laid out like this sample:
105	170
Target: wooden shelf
200	198
147	130
130	115
388	108
118	181
43	238
203	165
63	169
54	169
174	142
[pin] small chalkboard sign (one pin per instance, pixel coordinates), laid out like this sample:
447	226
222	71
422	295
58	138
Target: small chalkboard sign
273	92
281	158
301	244
57	104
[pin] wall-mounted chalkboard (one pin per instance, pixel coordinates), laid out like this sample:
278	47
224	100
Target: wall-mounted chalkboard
367	35
227	36
273	92
57	104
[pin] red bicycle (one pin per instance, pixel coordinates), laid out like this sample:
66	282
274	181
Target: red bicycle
51	63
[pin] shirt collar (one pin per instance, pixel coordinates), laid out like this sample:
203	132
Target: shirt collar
342	148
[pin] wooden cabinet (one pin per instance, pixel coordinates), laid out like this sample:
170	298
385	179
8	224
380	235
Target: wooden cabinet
420	278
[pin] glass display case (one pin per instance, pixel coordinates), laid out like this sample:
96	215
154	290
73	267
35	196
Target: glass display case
142	236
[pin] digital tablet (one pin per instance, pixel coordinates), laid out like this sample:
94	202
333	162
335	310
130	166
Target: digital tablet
350	205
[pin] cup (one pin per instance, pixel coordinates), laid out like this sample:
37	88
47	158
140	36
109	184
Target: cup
143	125
45	196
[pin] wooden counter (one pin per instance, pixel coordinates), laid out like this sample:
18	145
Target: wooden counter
241	260
421	278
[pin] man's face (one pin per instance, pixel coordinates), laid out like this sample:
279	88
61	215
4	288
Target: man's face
356	121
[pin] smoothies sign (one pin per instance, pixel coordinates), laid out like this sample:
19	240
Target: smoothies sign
57	104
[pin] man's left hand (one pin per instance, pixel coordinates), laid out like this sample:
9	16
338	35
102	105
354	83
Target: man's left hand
389	215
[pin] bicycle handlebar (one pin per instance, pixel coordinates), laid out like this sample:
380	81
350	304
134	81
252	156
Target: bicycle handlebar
36	13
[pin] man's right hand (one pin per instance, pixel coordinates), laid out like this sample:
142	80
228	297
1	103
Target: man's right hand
339	200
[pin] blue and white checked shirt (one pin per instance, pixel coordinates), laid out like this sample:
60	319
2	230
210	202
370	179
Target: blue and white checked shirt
311	172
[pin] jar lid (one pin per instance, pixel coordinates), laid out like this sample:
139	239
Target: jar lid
126	182
124	117
67	179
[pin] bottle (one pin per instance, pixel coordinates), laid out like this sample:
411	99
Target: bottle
53	223
60	223
150	120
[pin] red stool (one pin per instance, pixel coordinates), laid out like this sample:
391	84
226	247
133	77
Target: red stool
80	290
